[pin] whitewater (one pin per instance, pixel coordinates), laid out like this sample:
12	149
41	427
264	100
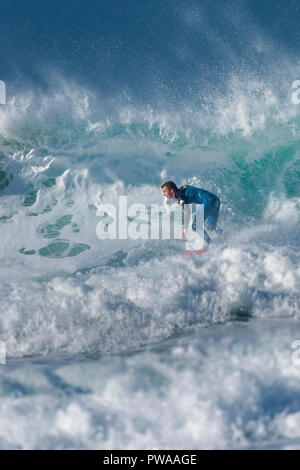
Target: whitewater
127	344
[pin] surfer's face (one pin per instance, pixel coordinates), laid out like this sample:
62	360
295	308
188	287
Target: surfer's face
168	193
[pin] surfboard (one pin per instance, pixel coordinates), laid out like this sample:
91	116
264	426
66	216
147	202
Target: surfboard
195	252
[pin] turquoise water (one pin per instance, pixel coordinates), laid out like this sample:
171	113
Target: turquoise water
126	343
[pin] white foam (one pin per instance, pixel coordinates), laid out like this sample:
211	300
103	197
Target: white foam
225	387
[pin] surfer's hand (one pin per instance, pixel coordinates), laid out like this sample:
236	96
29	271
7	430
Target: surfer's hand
183	233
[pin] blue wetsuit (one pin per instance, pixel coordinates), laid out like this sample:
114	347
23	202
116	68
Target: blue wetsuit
211	202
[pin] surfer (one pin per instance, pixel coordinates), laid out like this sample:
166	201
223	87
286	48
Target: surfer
191	195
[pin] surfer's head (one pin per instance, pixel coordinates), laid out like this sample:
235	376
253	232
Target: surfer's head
168	189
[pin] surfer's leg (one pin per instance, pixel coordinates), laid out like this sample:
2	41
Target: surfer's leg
206	236
211	214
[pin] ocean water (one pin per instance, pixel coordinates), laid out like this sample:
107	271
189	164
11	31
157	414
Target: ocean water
126	344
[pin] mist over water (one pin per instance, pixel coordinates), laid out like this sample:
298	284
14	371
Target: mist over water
170	52
108	102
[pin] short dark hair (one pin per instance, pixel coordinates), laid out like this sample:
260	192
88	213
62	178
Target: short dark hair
169	185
